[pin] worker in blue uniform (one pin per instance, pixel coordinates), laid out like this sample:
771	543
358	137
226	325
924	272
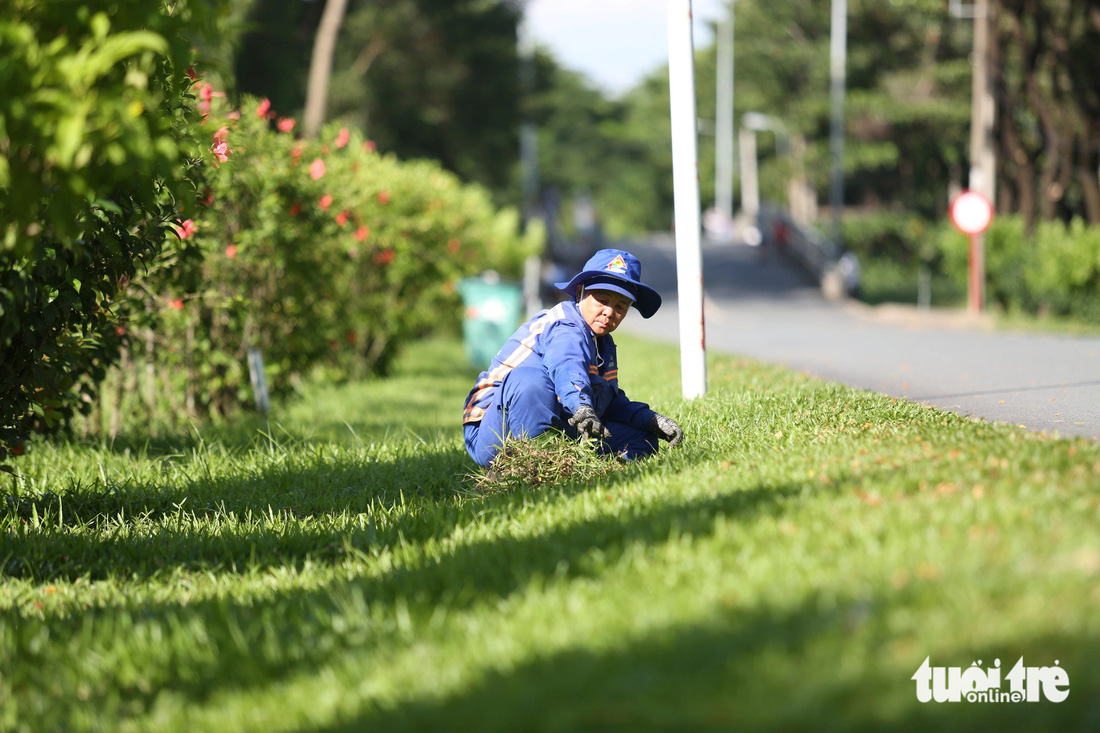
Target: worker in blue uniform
560	371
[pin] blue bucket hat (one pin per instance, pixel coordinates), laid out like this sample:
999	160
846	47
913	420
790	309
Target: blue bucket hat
617	271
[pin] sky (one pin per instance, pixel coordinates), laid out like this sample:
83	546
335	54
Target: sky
615	43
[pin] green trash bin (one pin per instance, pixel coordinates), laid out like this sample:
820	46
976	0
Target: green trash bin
493	311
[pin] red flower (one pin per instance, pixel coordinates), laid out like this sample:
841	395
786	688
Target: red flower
206	94
342	217
208	197
342	137
285	124
120	331
191	73
369	146
176	304
221	151
325	202
296	153
351	337
234	114
18	451
362	233
316	168
186	228
221	135
231	251
384	197
263	107
453	245
384	257
295	208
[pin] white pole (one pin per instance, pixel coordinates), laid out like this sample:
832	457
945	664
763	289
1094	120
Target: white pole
685	182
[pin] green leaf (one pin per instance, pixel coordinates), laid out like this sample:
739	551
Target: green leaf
69	136
118	47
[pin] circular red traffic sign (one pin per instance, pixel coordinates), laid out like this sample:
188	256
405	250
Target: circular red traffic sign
971	212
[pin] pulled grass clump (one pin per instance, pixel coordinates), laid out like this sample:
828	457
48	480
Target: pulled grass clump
549	459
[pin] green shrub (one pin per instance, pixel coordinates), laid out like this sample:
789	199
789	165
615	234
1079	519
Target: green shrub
902	238
1064	274
96	157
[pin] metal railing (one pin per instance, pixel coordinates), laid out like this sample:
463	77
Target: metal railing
834	268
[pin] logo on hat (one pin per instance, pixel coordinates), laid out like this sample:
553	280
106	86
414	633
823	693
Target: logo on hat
617	265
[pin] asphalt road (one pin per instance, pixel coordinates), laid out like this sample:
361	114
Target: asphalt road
767	309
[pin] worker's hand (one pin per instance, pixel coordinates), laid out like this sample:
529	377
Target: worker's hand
666	428
585	421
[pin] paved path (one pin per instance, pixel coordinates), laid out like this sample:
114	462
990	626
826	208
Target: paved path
766	309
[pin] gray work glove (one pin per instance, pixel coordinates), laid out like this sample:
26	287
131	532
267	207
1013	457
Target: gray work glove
666	428
585	421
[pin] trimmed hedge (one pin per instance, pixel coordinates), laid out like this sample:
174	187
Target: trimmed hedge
1053	270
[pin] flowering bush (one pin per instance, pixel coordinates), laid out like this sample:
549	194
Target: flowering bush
322	254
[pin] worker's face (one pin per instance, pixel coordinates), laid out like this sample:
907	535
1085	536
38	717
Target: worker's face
603	310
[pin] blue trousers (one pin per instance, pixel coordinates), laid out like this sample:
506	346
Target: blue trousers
526	406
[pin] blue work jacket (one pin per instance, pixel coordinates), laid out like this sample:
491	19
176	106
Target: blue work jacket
583	367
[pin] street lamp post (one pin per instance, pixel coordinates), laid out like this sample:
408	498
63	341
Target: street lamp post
838	51
750	187
528	132
751	123
724	152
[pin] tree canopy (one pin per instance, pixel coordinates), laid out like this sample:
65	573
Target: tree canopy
440	79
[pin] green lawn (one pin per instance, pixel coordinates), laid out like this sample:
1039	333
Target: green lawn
789	567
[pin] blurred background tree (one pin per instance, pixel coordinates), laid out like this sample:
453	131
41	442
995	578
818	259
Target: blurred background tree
1047	75
426	78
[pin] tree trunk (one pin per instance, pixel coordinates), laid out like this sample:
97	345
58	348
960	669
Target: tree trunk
1021	169
324	47
1090	187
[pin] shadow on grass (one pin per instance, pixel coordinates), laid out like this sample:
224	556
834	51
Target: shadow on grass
316	514
283	516
314	507
805	669
456	578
